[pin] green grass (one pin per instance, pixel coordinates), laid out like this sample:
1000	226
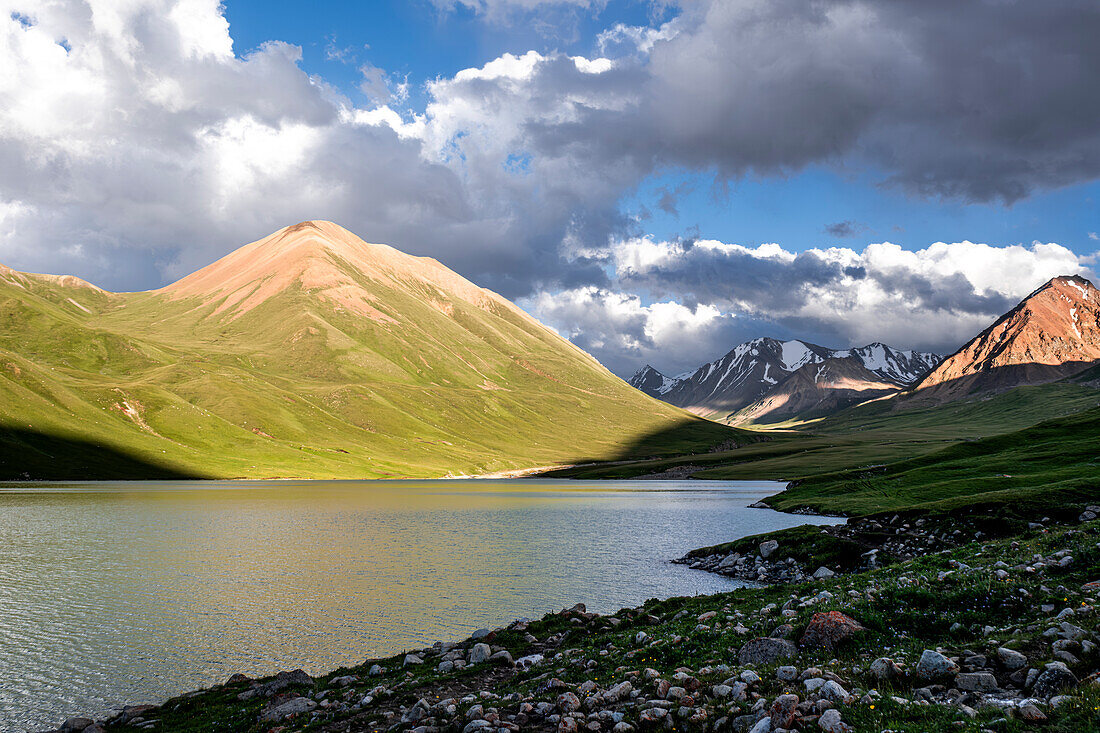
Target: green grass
298	388
1025	473
806	544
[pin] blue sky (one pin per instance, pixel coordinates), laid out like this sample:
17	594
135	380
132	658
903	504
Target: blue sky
417	39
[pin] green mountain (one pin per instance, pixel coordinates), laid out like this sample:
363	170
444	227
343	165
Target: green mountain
309	353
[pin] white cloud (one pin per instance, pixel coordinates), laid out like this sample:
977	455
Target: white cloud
1094	236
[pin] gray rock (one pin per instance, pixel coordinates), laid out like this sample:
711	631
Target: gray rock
830	722
721	691
503	657
764	725
933	665
1011	659
822	573
618	693
787	673
884	669
768	547
976	682
76	724
1055	678
477	725
831	690
479	634
413	659
479	653
766	650
295	706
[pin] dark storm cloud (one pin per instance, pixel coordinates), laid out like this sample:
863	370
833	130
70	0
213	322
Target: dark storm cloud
844	229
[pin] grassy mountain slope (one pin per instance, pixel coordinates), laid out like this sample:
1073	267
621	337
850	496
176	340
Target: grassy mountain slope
330	358
1028	472
1025	451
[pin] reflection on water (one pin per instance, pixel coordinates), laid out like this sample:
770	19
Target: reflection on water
117	593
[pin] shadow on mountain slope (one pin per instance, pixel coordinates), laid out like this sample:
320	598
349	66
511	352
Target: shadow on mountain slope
27	455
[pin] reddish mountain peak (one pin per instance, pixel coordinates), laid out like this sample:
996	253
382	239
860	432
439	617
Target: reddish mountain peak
323	258
1053	333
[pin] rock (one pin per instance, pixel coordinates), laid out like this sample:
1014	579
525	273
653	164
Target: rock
823	573
832	690
618	693
294	706
766	650
830	722
764	725
412	659
568	702
813	684
622	727
1011	659
479	653
976	682
76	724
933	665
445	666
474	725
237	679
503	657
783	711
529	661
375	670
721	691
345	681
829	630
1055	678
768	547
1031	713
786	673
884	669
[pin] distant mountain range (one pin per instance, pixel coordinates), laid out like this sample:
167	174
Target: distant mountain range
309	353
767	380
1053	334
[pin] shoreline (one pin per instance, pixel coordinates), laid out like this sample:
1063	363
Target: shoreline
700	660
509	666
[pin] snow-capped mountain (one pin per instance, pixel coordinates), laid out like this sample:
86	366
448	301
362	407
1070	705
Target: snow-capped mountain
756	369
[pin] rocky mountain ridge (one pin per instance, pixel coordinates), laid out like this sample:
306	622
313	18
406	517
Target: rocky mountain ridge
768	379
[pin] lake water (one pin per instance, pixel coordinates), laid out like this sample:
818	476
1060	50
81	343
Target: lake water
132	592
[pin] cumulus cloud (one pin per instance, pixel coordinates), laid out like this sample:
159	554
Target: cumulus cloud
705	296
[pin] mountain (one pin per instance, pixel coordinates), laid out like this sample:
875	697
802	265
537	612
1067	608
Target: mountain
1052	334
761	373
309	353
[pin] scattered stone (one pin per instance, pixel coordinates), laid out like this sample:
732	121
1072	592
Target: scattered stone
1011	659
1054	678
976	682
766	650
479	653
829	630
768	547
830	722
934	666
294	706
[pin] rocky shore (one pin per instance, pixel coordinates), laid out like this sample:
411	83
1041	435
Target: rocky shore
971	634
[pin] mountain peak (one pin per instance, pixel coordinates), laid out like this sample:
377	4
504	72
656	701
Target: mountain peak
327	261
1052	333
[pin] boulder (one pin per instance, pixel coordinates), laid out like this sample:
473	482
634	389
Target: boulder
830	722
934	666
766	650
294	706
1011	659
479	653
768	547
976	682
829	630
884	669
1054	678
783	711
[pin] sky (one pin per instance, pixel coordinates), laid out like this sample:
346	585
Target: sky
658	180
